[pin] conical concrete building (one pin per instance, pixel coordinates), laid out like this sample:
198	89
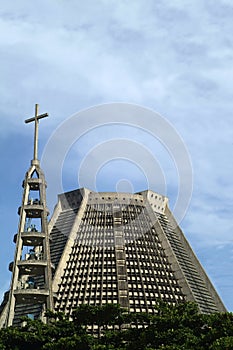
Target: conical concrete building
126	249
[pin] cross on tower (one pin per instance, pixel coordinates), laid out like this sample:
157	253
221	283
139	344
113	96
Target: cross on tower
36	119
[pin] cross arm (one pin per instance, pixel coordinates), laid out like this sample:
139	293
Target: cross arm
34	118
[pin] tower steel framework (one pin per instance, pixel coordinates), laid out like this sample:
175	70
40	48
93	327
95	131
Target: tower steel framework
31	284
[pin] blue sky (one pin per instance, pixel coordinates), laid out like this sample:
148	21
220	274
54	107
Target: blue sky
174	57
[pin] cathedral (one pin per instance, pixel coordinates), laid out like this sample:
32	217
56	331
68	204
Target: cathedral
99	248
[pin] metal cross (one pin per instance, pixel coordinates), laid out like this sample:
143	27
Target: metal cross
36	119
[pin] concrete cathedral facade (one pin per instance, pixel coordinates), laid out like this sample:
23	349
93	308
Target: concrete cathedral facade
99	248
114	248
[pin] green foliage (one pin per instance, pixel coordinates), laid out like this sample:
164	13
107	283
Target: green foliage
178	327
223	343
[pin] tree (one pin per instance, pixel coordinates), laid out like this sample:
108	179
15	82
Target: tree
172	327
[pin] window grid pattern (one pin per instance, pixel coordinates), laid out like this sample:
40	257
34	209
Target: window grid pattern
150	275
60	233
198	287
91	275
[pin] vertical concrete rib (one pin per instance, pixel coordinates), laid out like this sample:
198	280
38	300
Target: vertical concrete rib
121	271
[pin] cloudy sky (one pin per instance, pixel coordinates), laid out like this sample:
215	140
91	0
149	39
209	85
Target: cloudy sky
172	57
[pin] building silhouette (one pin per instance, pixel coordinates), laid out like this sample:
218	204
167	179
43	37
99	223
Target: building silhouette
99	248
126	249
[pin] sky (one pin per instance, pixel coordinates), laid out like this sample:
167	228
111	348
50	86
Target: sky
139	94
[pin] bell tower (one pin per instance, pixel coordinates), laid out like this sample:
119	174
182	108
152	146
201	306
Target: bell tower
31	283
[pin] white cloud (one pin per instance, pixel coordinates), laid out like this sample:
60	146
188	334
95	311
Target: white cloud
139	53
